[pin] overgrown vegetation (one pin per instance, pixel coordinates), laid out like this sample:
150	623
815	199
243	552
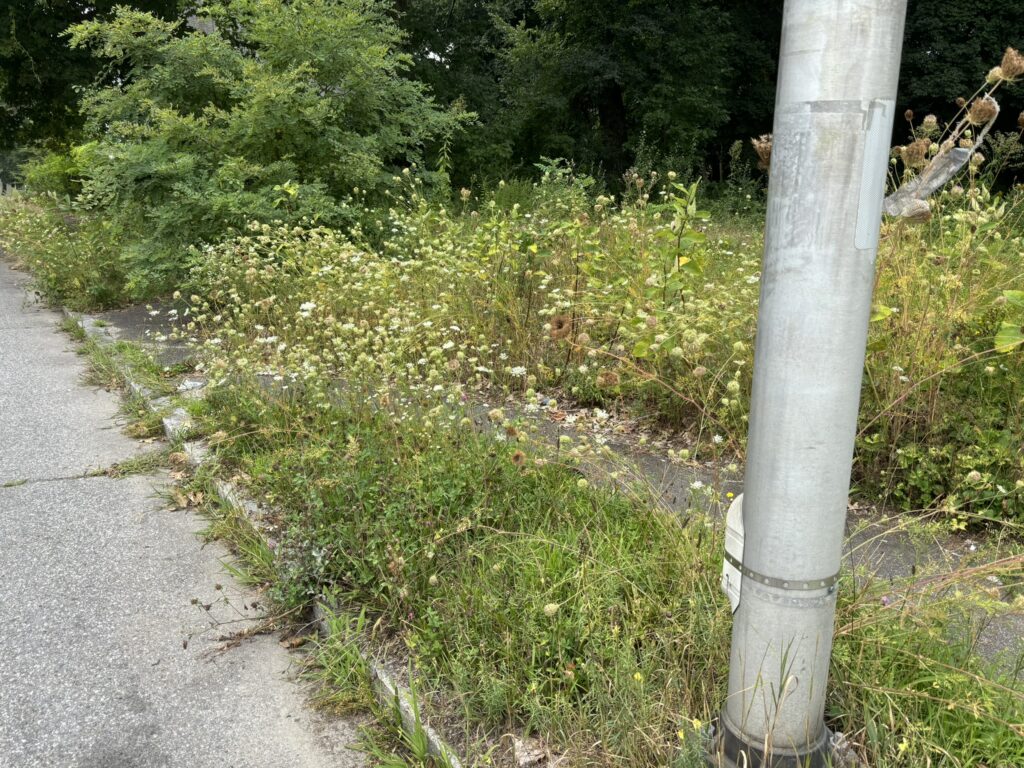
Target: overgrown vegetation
583	614
276	113
632	308
282	174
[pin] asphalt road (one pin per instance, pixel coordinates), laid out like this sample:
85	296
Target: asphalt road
97	589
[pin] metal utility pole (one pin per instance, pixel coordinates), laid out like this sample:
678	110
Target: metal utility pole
834	109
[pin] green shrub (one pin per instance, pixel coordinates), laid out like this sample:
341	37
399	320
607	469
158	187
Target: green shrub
53	173
277	114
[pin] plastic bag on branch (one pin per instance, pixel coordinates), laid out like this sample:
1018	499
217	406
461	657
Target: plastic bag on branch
910	201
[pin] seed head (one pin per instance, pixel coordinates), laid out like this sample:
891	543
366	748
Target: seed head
982	110
961	101
1012	64
930	123
995	75
915	154
518	458
763	147
909	115
561	326
607	379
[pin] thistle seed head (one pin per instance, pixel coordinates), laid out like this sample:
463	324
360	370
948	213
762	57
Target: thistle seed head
561	326
763	147
982	110
995	75
915	154
1012	64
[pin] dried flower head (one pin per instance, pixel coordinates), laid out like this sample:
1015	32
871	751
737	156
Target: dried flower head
1012	64
608	379
518	458
763	147
994	75
961	102
909	115
930	123
561	326
982	110
915	154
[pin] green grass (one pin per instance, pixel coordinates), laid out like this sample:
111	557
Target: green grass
143	464
112	365
543	604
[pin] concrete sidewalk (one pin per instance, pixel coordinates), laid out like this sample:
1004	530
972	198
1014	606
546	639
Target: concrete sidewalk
98	590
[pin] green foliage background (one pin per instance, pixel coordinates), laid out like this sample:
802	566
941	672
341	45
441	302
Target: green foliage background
276	113
608	84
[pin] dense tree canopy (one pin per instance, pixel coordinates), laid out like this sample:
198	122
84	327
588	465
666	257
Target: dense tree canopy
609	84
39	72
948	48
652	82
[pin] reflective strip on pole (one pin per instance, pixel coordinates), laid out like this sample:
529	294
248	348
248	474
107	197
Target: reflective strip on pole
835	102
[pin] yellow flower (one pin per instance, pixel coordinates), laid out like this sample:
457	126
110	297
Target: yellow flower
903	746
638	677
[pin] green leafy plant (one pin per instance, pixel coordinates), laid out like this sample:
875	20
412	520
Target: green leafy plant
276	112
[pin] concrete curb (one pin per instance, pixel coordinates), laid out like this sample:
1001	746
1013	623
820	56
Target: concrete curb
177	425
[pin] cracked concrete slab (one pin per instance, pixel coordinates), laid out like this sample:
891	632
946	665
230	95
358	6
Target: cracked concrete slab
50	424
113	609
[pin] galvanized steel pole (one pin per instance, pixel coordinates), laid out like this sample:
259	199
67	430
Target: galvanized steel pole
834	109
